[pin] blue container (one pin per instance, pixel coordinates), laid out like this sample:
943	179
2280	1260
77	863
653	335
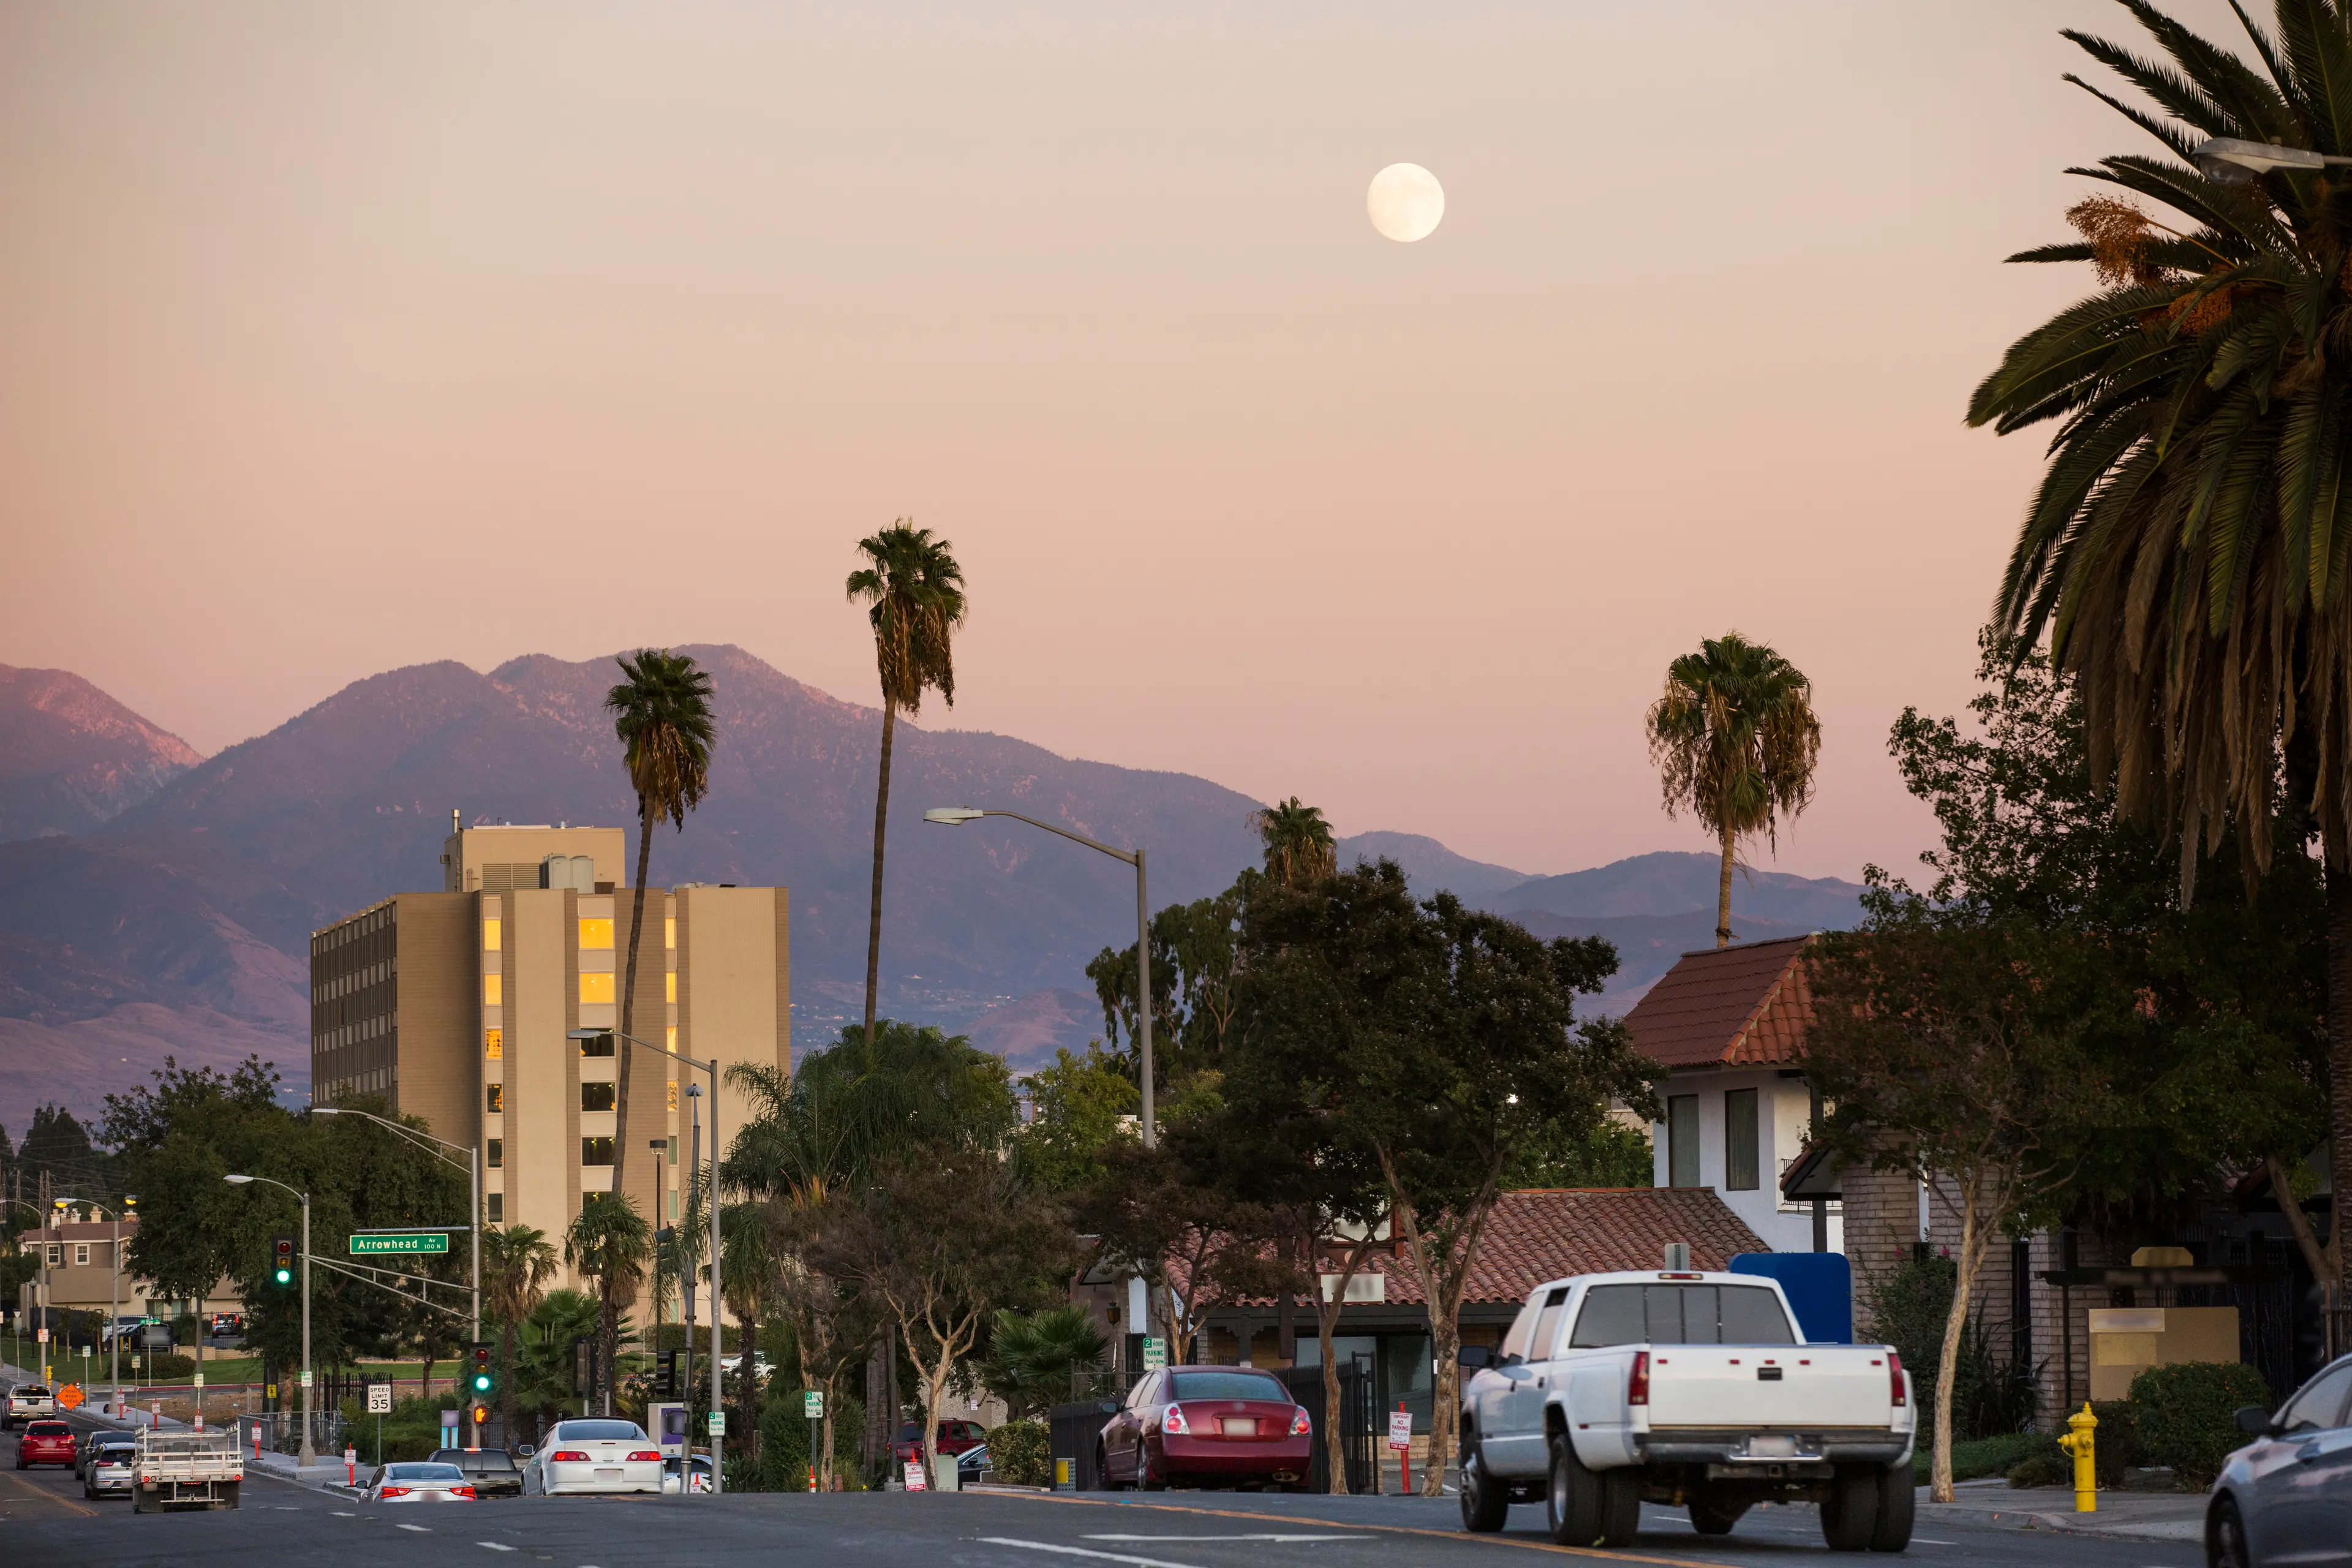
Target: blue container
1819	1287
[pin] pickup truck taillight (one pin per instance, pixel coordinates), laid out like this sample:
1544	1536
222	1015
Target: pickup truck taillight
1174	1423
1637	1382
1895	1372
1301	1424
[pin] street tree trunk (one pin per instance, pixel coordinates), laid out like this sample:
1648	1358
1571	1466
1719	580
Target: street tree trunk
1327	1328
1974	1236
1442	1269
629	993
881	822
1723	896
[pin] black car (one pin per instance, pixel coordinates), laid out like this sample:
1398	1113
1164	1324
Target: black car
492	1471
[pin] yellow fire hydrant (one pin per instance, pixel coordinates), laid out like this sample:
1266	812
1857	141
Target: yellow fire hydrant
2079	1443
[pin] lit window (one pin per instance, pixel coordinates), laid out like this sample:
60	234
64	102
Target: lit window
596	1096
494	988
596	1150
495	1097
494	1044
490	936
596	934
669	931
671	986
673	1046
497	1206
596	988
673	1105
494	1154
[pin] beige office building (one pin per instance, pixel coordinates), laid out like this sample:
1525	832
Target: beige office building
457	1007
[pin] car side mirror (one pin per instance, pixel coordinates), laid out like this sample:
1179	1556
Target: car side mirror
1477	1358
524	1450
2255	1421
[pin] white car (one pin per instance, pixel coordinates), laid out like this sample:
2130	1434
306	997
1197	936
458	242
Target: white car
30	1401
419	1481
592	1455
673	1476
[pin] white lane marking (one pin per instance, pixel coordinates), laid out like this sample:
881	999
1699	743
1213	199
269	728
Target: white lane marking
1082	1551
338	1513
418	1528
494	1546
1257	1537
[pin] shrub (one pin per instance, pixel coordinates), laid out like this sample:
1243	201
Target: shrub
2186	1415
1909	1307
165	1368
1019	1454
1985	1456
2053	1468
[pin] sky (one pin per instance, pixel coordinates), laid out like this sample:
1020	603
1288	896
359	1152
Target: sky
343	337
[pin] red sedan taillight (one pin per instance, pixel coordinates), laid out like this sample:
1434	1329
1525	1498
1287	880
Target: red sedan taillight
568	1456
1637	1382
1301	1425
1174	1423
1895	1372
646	1454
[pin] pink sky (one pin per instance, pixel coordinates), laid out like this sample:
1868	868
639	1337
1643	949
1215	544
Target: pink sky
343	337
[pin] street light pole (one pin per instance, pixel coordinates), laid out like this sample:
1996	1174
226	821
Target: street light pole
956	816
718	1405
114	1299
310	1453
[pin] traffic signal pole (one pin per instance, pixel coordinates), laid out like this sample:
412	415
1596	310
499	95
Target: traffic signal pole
475	1230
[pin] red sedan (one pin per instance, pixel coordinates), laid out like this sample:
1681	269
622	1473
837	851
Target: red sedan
1208	1425
954	1438
45	1443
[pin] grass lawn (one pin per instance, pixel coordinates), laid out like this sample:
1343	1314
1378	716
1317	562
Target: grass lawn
1985	1456
247	1369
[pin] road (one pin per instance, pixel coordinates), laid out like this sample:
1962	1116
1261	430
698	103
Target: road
46	1518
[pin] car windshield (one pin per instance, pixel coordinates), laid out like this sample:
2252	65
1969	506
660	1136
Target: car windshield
599	1432
1227	1385
1681	1315
423	1473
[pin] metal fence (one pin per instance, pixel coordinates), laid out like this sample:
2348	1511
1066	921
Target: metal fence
1358	1450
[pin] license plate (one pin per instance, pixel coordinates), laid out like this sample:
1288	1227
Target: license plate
1239	1426
608	1473
1764	1447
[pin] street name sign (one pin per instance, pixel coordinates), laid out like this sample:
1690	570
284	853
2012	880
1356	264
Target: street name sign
411	1241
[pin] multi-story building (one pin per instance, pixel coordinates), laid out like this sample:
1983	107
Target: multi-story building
458	1007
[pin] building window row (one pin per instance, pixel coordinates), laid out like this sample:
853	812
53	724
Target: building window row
1742	1141
596	1150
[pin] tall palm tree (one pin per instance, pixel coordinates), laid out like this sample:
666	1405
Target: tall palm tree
518	1260
661	714
913	593
1299	848
610	1243
2187	549
1736	741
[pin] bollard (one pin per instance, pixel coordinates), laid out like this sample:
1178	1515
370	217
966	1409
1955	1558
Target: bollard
2079	1443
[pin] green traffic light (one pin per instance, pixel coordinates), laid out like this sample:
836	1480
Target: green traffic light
286	1277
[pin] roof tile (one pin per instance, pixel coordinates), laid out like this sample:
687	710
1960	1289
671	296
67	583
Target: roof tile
1747	1004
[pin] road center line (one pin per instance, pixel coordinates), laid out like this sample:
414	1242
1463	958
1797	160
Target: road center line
418	1528
494	1546
1259	1536
1082	1551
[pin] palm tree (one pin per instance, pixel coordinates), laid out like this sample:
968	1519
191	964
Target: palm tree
2187	549
543	1375
1299	848
661	714
518	1260
913	591
1734	740
610	1243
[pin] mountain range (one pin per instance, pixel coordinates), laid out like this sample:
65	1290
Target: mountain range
153	900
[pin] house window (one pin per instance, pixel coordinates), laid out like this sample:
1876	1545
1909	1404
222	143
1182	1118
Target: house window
596	934
57	1256
1739	1141
1682	1140
494	1044
497	1205
596	1150
596	1096
81	1255
596	990
494	1097
494	1154
596	1044
494	990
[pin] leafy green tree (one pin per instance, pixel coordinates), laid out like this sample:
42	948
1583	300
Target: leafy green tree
1037	1359
610	1243
1194	953
1196	1243
1736	741
661	716
913	592
1082	1103
518	1261
1609	1153
2186	551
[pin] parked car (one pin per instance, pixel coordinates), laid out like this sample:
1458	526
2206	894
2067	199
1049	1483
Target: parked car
594	1455
419	1480
28	1402
954	1438
971	1464
674	1474
45	1443
1207	1425
125	1326
491	1472
1684	1383
2286	1497
111	1468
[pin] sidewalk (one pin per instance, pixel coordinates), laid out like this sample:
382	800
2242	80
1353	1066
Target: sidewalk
2144	1516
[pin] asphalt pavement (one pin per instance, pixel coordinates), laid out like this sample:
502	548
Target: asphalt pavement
44	1513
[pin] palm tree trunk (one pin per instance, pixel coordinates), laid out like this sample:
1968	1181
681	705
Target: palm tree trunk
506	1381
881	819
629	993
2340	1088
1723	897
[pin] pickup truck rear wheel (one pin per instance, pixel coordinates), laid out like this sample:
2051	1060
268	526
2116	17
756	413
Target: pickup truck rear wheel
1897	1500
1572	1498
1850	1513
1485	1501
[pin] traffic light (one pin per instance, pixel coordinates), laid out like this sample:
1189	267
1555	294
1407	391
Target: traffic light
484	1374
481	1416
281	1260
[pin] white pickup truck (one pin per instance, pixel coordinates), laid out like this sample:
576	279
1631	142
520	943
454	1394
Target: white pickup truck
185	1470
1688	1388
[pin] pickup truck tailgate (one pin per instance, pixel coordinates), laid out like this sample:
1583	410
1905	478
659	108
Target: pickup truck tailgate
1780	1386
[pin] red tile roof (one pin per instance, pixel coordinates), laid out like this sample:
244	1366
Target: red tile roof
1747	1004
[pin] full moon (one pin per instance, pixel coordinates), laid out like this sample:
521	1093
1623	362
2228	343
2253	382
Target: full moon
1405	202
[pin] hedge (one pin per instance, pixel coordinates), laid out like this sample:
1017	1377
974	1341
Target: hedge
1019	1454
2186	1415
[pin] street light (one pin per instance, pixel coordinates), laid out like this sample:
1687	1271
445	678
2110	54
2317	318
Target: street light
718	1402
310	1453
2228	161
957	815
474	1172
